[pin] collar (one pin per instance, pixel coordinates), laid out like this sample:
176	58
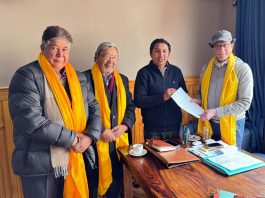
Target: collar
107	78
218	64
62	75
154	65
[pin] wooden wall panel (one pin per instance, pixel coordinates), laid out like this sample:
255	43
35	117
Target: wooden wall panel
3	156
137	131
191	84
10	185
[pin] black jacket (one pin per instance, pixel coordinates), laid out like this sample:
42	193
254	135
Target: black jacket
129	116
158	115
33	132
128	119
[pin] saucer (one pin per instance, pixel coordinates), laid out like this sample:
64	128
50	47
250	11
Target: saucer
194	138
209	141
138	154
196	143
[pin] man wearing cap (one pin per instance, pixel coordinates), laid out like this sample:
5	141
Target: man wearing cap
225	91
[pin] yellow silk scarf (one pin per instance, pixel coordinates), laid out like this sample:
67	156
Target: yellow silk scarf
74	117
228	95
105	169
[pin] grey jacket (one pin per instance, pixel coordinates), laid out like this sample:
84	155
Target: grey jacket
33	132
244	91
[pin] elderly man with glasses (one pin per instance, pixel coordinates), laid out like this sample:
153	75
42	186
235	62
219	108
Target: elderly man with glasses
117	113
225	91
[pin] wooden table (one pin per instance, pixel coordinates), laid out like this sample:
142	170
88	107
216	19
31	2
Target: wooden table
192	180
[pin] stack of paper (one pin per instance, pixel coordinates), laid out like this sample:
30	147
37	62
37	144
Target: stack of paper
233	162
203	153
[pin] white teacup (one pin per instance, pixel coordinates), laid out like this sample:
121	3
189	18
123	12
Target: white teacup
137	148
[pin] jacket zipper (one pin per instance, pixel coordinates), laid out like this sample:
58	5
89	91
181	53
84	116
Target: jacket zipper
165	122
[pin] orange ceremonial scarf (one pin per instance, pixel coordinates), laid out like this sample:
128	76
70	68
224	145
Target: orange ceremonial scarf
228	95
74	117
105	169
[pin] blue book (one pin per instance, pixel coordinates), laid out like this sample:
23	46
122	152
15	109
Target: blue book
226	194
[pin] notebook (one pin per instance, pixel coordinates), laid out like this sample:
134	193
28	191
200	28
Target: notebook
161	145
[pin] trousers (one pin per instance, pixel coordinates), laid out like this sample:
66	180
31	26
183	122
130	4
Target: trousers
46	186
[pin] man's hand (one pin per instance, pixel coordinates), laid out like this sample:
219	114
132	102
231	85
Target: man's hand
208	114
168	93
119	130
83	143
107	135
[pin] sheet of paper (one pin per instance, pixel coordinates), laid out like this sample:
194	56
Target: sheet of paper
184	101
225	150
235	160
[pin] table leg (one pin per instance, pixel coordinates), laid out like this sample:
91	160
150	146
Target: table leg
127	183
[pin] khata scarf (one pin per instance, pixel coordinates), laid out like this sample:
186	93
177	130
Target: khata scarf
105	169
74	118
228	95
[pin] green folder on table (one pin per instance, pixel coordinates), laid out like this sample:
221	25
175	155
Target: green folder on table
233	162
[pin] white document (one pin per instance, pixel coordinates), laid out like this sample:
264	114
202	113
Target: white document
201	153
235	160
184	101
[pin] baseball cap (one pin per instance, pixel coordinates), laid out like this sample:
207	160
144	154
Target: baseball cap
221	35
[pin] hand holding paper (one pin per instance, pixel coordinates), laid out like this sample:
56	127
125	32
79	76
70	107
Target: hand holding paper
184	101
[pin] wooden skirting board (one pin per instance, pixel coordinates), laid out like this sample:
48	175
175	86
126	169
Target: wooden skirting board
10	185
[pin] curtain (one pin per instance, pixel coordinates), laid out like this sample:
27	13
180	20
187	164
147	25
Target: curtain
250	47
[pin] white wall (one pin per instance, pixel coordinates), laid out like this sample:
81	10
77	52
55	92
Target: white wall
132	25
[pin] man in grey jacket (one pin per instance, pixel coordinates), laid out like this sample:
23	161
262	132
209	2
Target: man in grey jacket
56	119
225	90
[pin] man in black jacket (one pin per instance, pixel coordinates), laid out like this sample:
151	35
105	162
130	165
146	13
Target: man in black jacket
117	113
55	120
154	85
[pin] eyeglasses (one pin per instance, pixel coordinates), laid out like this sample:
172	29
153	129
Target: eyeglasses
219	46
108	57
55	49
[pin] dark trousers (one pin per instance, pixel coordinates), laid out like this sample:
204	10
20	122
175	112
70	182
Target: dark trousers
92	176
42	186
114	191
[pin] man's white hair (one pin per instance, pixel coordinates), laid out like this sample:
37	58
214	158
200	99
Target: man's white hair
103	46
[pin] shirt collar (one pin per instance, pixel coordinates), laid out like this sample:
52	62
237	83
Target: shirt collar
62	75
107	78
218	64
